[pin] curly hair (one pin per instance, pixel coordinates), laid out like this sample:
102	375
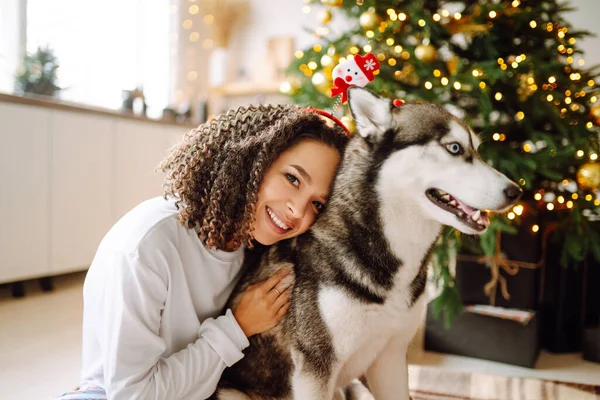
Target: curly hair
216	171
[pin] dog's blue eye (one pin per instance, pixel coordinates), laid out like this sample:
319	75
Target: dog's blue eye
454	148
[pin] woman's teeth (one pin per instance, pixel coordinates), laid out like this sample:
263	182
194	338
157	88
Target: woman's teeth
276	220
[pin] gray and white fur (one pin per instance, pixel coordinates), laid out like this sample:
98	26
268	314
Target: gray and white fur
359	273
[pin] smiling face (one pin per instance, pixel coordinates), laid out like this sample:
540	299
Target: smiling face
294	190
349	72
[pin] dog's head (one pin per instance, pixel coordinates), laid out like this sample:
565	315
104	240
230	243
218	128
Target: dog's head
427	159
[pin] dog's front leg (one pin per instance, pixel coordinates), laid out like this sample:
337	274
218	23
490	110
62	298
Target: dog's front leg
388	375
311	380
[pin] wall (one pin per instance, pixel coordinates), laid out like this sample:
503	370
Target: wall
586	18
273	19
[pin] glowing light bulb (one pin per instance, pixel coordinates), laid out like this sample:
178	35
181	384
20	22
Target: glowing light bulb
518	209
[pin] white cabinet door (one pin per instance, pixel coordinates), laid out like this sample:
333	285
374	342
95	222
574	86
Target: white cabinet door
65	178
24	192
82	207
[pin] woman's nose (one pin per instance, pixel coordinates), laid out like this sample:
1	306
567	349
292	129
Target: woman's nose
297	208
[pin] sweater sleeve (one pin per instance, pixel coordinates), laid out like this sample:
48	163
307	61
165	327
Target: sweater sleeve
131	345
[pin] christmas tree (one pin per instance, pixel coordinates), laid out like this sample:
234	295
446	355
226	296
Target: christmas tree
512	70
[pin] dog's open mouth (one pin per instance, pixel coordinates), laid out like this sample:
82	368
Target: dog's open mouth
470	216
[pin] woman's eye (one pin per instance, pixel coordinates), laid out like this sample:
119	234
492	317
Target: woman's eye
293	180
319	206
454	148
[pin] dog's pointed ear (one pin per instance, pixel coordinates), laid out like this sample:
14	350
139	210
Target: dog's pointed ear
371	113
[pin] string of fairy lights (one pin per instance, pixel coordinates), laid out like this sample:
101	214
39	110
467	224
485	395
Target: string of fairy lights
195	23
377	27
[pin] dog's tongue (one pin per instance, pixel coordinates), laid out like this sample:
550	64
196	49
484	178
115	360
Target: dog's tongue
468	210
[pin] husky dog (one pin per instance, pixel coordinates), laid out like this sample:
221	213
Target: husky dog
360	271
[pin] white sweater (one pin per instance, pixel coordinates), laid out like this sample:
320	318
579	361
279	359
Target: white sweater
152	300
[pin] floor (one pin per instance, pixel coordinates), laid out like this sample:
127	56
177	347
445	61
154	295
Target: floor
40	344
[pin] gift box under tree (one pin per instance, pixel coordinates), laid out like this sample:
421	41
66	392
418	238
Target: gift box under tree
510	275
570	304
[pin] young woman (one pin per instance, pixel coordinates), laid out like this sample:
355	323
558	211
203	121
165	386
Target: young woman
154	326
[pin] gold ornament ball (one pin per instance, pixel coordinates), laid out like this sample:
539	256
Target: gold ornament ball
325	16
321	82
407	75
369	19
595	111
588	176
426	53
332	3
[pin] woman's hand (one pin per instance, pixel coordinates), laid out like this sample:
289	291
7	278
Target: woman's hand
263	304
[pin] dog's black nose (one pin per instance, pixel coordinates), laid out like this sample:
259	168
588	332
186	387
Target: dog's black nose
513	192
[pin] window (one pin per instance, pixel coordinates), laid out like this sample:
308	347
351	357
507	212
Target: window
104	47
12	13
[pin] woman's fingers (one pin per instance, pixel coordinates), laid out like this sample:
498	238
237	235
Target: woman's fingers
282	299
282	311
272	282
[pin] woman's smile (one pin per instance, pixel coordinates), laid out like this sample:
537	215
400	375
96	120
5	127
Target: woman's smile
278	225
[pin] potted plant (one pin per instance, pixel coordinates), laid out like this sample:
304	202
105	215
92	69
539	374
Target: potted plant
38	73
